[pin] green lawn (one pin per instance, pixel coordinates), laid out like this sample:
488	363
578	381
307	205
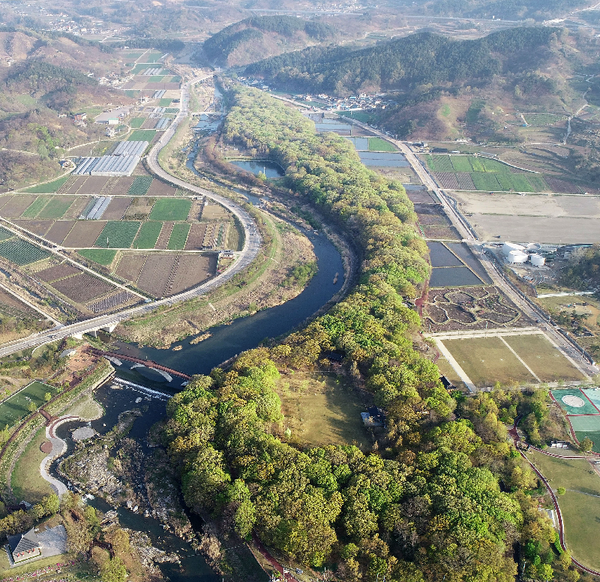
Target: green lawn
487	361
16	407
34	208
118	234
171	209
148	235
49	187
137	122
26	483
580	505
377	144
56	208
142	135
101	256
178	236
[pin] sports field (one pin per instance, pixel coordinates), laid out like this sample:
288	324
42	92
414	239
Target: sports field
13	409
580	505
582	407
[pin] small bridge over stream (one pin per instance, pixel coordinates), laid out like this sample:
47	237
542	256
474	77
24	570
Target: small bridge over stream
118	359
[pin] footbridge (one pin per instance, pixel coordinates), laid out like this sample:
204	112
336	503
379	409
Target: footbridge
165	372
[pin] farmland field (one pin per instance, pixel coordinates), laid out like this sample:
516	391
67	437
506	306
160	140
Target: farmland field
110	302
21	252
82	288
171	209
39	227
16	407
130	266
101	256
485	181
192	270
148	235
35	207
16	205
49	187
83	234
142	135
140	185
59	230
377	144
56	208
164	102
137	122
178	236
156	272
118	235
57	272
159	188
461	164
487	361
116	208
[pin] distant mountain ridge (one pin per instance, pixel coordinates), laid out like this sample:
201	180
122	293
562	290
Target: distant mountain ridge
422	58
253	38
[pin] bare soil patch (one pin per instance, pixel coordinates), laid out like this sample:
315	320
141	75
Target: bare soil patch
38	227
93	185
130	266
11	301
119	186
191	271
17	205
195	237
164	236
59	230
76	208
116	209
420	197
82	288
215	212
196	210
150	123
139	209
154	277
117	300
84	234
72	185
57	272
158	188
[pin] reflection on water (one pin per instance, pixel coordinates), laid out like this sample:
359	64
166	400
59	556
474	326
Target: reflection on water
453	277
440	256
269	169
383	159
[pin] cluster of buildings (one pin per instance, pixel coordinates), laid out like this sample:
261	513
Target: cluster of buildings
123	160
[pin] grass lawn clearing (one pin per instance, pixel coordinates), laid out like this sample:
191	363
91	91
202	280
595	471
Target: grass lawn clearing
377	144
49	187
148	235
101	256
34	208
171	209
321	410
178	236
140	185
137	122
142	135
16	407
487	361
118	234
580	505
56	208
546	361
26	481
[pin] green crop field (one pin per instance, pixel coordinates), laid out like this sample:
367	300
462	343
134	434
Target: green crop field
546	361
461	163
21	252
137	122
580	505
171	209
171	110
153	57
118	235
543	119
139	68
439	163
156	78
56	208
494	165
16	407
101	256
140	185
34	208
377	144
4	234
485	181
133	93
148	235
142	135
178	236
164	102
487	361
49	187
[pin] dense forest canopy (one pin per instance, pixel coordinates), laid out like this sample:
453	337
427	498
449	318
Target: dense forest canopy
584	271
428	504
505	9
423	58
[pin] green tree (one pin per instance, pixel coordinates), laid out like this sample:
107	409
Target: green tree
114	571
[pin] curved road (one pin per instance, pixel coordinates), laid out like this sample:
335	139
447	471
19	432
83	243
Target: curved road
252	244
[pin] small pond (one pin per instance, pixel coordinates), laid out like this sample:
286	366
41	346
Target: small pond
441	257
383	159
269	169
453	277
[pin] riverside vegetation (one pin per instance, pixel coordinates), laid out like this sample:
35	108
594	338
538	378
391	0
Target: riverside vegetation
442	496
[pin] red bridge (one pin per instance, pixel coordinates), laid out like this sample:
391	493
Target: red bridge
146	363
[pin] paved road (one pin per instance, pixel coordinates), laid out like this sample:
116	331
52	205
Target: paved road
252	245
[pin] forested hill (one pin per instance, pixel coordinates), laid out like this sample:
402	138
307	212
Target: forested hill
254	38
505	9
406	62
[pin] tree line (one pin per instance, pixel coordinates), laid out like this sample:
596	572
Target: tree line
443	494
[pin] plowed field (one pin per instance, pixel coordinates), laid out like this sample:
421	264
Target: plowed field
16	206
130	266
84	234
57	272
195	237
156	273
193	270
116	209
82	288
59	230
38	227
93	185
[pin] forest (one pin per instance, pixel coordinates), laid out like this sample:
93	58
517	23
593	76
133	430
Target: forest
505	9
584	272
405	63
442	495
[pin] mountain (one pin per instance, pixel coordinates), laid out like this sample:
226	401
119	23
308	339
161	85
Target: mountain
251	39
